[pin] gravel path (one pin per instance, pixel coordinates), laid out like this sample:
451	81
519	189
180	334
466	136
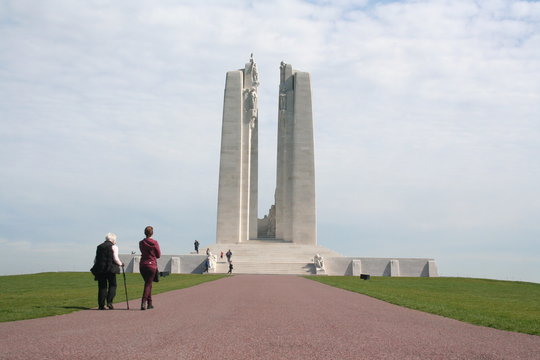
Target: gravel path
259	317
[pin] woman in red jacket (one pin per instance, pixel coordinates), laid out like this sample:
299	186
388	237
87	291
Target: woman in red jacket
148	266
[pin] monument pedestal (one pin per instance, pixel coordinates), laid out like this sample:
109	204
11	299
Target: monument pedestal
270	257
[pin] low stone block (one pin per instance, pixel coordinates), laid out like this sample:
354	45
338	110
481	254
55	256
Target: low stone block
175	265
394	267
432	268
356	267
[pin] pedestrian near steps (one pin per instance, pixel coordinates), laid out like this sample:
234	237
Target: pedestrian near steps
148	266
229	255
230	268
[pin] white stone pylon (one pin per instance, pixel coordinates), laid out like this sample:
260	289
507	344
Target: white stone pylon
237	193
295	175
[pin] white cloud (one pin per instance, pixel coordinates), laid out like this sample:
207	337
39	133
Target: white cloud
425	113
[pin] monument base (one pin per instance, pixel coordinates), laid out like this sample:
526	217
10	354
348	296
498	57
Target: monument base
279	257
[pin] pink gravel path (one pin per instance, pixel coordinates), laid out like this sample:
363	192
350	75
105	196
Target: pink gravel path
260	317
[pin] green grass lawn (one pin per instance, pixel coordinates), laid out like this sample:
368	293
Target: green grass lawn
505	305
45	294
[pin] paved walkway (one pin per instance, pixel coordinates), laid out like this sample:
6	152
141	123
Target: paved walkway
260	317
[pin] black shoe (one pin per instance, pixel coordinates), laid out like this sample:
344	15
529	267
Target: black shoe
102	308
150	306
110	306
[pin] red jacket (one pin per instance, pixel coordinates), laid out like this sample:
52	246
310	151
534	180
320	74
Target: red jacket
150	252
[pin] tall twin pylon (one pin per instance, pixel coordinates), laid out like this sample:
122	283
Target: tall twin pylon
292	218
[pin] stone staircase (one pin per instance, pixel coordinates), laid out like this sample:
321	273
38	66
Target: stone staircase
268	256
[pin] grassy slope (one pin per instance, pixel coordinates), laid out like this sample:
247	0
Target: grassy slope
505	305
46	294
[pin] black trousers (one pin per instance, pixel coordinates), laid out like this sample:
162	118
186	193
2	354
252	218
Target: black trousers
106	288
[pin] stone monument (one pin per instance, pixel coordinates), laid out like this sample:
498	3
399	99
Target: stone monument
292	217
284	240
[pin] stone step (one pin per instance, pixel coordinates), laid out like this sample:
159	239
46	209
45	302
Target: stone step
268	257
266	268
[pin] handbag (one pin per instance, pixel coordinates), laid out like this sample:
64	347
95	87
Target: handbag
156	277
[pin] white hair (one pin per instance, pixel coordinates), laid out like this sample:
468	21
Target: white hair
111	237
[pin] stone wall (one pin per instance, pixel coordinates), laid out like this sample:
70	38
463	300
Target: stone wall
354	266
175	264
340	266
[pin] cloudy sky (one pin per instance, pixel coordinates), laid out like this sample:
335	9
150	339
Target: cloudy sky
427	125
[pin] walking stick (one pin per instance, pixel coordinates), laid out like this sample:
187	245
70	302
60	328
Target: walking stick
125	286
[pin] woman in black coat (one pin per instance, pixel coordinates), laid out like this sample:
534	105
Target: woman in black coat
106	266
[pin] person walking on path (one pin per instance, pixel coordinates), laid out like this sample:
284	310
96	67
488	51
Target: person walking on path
196	245
106	266
229	255
148	266
230	268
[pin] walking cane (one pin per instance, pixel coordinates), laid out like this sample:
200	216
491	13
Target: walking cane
125	286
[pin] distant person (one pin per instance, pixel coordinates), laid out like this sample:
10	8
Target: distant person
229	255
106	266
148	266
208	251
221	256
196	244
230	268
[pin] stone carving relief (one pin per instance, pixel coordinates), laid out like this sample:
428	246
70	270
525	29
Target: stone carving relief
282	102
254	72
250	105
253	99
254	75
250	99
271	230
267	225
318	260
212	261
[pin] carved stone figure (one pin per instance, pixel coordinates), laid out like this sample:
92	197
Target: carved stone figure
282	102
253	99
212	260
282	72
271	230
250	105
253	71
254	74
318	261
